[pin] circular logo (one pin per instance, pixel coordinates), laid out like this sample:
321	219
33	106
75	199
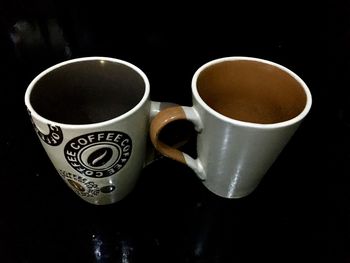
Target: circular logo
54	137
80	185
99	154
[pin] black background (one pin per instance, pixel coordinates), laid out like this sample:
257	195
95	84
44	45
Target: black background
299	212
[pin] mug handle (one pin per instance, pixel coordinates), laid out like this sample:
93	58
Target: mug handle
167	116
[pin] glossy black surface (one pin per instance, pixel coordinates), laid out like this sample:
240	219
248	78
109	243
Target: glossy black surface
299	212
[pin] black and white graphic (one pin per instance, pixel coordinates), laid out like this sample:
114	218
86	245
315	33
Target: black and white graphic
99	154
54	137
80	185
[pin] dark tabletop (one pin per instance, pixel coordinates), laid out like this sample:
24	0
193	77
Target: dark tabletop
300	211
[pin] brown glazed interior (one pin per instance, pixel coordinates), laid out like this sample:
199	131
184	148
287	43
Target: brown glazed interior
251	91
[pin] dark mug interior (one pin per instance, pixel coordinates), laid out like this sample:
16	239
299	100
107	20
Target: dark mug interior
86	92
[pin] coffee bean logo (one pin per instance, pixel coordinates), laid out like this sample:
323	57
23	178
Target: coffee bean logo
99	154
76	185
100	157
80	185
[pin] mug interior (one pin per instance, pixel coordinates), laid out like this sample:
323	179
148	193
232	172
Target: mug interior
251	91
87	91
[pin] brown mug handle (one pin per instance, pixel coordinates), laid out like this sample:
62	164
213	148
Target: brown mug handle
167	116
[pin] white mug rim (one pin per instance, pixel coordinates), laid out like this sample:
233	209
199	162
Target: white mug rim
125	115
224	118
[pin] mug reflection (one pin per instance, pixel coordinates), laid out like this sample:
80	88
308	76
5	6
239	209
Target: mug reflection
107	249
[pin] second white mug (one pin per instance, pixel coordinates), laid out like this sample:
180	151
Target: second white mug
245	110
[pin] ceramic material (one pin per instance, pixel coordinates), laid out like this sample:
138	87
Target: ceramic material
99	159
235	153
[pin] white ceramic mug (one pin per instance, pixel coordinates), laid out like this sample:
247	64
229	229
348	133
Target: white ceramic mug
245	110
92	116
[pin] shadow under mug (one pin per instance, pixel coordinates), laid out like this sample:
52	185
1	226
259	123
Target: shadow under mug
92	116
245	111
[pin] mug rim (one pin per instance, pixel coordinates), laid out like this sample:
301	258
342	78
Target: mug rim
40	118
222	117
